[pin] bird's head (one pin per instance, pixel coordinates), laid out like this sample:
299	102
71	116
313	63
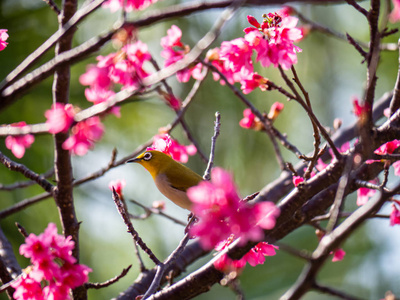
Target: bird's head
154	161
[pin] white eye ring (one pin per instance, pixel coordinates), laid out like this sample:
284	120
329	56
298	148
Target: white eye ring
147	156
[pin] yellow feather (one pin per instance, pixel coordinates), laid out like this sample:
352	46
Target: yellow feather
171	178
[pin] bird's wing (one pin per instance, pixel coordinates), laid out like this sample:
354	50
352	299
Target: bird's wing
181	183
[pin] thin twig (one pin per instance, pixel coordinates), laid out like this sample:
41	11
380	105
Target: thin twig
357	7
125	217
265	121
158	212
340	194
21	230
20	168
24	184
217	125
53	6
333	292
162	267
181	120
317	137
395	103
109	282
312	116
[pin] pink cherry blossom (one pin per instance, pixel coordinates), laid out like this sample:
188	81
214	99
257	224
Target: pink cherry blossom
167	145
338	255
160	205
54	271
252	82
320	165
396	166
128	5
395	214
18	144
388	148
395	14
248	120
363	194
275	110
27	288
273	40
84	135
174	50
297	180
236	55
96	77
256	256
218	206
172	101
125	68
117	185
3	38
360	110
213	56
60	117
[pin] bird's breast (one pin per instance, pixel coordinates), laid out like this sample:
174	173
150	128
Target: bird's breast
177	196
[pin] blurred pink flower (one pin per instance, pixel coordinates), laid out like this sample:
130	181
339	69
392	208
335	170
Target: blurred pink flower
218	206
338	254
3	38
60	117
84	135
18	144
275	110
96	77
118	185
388	148
213	56
236	55
363	195
248	120
395	14
252	82
395	214
396	166
360	110
297	180
174	50
128	5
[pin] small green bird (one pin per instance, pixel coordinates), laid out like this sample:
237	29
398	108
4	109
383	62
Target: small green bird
171	178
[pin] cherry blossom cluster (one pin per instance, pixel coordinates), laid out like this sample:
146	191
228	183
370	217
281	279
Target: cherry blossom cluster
174	50
217	205
54	271
18	144
83	134
272	40
3	38
124	67
164	143
128	5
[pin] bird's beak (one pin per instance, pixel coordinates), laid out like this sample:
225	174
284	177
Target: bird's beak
134	160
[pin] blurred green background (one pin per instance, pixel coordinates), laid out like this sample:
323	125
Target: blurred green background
329	68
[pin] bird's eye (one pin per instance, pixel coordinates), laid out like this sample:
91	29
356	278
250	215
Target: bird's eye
147	156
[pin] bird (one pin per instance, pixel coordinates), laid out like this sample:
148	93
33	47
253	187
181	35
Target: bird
171	178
